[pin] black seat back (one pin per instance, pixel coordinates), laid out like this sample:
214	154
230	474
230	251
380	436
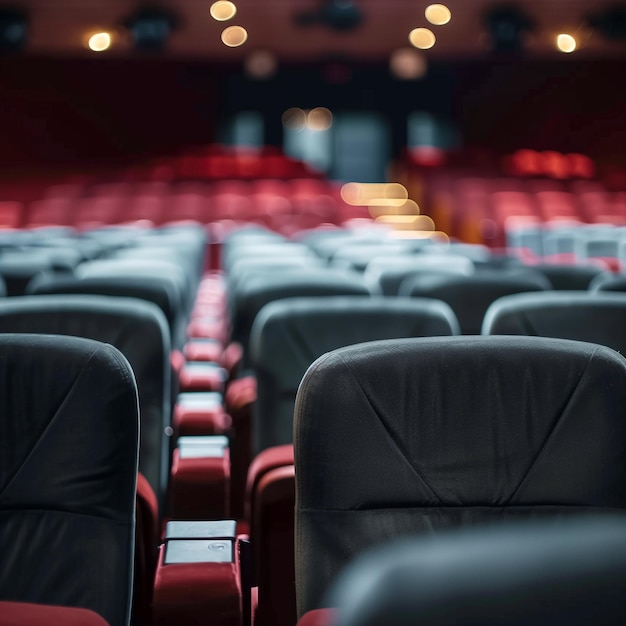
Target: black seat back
412	436
288	335
138	330
68	467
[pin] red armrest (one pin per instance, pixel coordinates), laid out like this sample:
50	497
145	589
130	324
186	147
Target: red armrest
199	413
203	350
200	478
202	376
264	462
272	539
198	578
239	399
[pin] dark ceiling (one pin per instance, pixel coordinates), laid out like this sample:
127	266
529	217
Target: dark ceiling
60	28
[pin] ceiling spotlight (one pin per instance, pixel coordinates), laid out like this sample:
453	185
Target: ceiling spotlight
13	30
566	43
99	42
223	10
422	38
150	28
234	36
438	14
506	26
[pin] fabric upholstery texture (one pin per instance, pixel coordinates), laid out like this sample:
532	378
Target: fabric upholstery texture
260	289
158	291
68	468
595	317
288	335
411	436
137	329
470	296
570	572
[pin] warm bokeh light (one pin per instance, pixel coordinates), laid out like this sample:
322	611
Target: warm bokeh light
437	236
407	208
294	119
438	14
234	36
261	64
566	43
223	10
421	223
422	38
319	118
99	42
408	64
374	194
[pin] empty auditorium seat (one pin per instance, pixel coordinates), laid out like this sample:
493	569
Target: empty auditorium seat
164	294
260	288
139	331
568	276
470	296
540	573
388	273
414	436
69	448
583	316
287	336
609	283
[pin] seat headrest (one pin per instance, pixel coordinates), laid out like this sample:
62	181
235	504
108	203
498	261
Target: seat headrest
542	573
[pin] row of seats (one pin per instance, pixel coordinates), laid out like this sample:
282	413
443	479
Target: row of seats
134	289
480	210
304	328
278	340
350	362
569	242
283	206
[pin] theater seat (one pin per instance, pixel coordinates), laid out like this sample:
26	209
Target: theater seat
540	573
139	331
414	436
69	431
595	317
288	335
470	296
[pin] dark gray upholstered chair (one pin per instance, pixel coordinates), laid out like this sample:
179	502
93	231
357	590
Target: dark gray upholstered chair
414	436
159	291
470	296
389	272
69	428
136	328
288	335
615	282
598	317
259	289
540	573
570	277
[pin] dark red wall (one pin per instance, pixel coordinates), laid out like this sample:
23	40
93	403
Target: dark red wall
68	111
63	111
567	106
